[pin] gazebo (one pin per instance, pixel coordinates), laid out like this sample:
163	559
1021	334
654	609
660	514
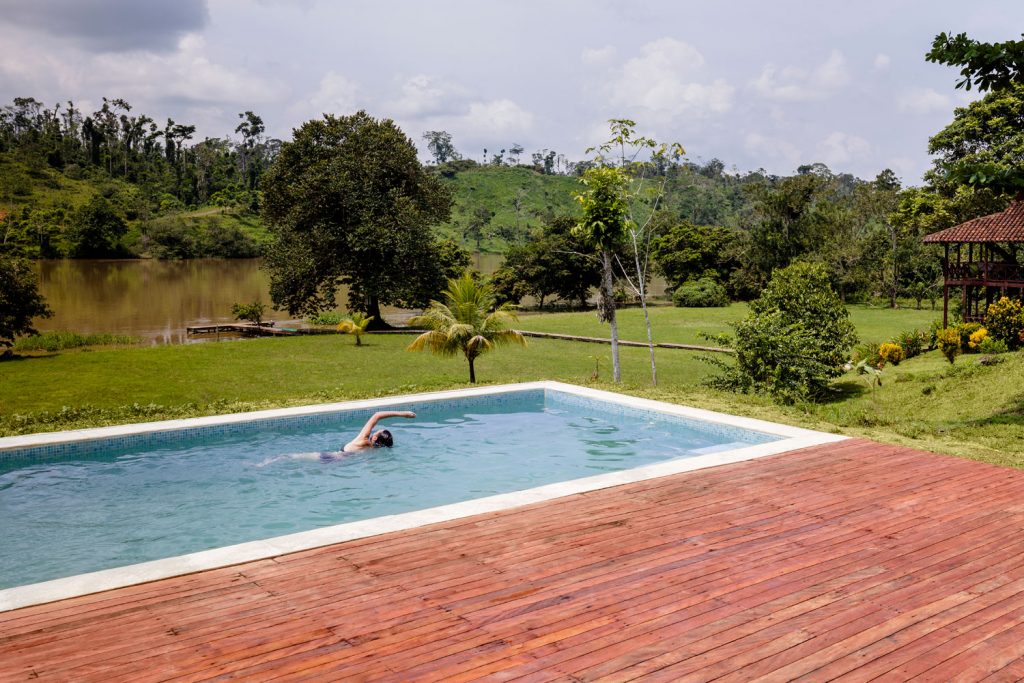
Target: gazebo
981	258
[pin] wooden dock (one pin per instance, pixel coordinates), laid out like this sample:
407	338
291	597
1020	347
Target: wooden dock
852	560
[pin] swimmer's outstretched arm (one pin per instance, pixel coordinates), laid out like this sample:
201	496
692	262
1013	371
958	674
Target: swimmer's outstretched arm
376	417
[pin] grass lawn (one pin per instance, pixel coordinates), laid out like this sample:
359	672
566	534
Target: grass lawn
966	409
684	325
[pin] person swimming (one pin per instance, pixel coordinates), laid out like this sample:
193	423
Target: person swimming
367	438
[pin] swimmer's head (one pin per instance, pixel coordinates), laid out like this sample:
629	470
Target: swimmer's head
382	438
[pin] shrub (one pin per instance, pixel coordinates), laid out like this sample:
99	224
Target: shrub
1005	321
891	353
249	312
949	343
990	345
933	334
331	318
702	293
966	330
976	338
912	342
60	340
868	352
795	340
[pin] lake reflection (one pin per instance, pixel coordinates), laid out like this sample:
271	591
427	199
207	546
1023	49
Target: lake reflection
156	300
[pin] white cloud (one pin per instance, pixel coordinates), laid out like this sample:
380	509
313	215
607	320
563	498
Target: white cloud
662	80
495	117
842	148
773	151
923	101
795	84
598	55
337	94
424	95
882	61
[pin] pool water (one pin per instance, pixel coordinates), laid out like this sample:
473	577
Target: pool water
113	506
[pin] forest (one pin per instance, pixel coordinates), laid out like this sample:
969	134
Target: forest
116	183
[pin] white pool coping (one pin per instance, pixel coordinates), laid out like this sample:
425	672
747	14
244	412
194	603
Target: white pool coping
108	579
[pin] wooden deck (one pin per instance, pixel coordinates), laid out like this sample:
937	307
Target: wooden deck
852	560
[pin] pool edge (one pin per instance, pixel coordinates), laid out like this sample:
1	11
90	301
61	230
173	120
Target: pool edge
18	597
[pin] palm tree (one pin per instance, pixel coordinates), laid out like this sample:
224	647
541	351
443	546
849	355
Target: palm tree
466	322
356	324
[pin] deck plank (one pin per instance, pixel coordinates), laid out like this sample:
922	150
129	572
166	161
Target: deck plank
854	561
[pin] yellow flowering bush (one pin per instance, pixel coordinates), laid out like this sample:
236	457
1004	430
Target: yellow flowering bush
891	353
978	336
949	343
1005	320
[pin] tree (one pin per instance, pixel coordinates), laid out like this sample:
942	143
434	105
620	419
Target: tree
466	323
20	300
683	251
642	200
796	339
96	229
983	146
356	326
989	66
439	143
347	201
552	263
252	313
514	152
604	226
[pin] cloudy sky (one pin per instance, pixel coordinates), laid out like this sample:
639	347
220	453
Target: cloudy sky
756	84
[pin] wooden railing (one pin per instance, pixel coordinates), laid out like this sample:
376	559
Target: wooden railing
985	271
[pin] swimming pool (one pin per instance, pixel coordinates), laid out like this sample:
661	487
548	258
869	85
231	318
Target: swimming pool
95	500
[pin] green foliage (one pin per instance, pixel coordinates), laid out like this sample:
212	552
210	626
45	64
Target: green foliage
700	293
348	201
605	210
948	341
252	313
796	339
62	340
96	230
355	325
683	251
20	300
175	237
983	147
989	66
327	318
467	323
991	345
1005	321
912	342
555	263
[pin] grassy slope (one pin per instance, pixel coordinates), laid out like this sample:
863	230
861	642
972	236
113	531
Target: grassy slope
495	188
967	409
684	325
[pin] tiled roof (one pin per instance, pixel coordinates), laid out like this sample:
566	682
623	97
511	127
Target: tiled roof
1005	226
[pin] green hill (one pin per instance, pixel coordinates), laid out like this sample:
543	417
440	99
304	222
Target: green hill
503	204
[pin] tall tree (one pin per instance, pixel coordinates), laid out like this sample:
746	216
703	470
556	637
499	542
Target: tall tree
604	224
439	143
642	197
347	201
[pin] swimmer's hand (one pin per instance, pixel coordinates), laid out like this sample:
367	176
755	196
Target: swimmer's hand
407	413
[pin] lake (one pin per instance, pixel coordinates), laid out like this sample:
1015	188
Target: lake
156	300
